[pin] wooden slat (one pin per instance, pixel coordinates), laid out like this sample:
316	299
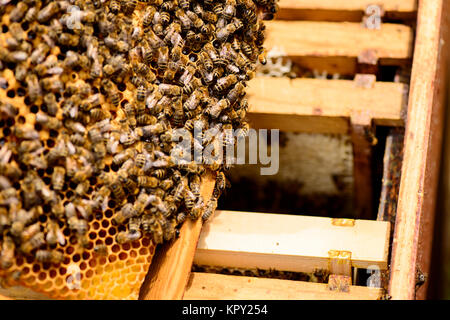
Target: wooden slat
171	265
317	105
288	242
21	293
423	138
343	10
209	286
335	47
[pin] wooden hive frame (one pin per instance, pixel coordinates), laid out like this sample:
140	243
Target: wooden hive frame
352	107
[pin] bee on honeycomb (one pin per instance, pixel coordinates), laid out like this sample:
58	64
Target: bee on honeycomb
91	96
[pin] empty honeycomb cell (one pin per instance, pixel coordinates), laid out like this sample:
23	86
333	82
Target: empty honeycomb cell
62	271
42	276
123	256
53	273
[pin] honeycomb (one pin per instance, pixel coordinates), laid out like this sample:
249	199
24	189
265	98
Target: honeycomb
94	249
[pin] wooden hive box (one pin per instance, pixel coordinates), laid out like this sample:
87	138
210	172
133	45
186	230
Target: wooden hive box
328	35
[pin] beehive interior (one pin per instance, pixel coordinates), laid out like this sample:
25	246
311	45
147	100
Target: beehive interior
82	82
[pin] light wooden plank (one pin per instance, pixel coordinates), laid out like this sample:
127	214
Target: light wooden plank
422	152
21	293
209	286
172	263
343	10
310	44
350	5
328	39
318	105
288	242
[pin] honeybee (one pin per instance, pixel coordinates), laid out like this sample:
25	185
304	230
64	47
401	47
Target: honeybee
147	182
190	86
195	185
134	224
163	57
178	115
229	10
122	156
205	59
82	188
197	209
117	190
211	206
243	130
141	93
225	82
166	184
127	182
28	232
54	234
31	14
215	110
129	6
57	208
114	6
148	16
7	253
170	89
34	88
35	242
169	229
113	92
125	237
46	13
5	220
58	178
80	226
222	34
208	77
67	39
180	192
181	217
189	199
186	23
52	256
151	225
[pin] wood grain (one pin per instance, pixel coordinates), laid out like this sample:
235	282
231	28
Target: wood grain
392	44
288	242
350	5
209	286
343	10
415	213
325	106
171	265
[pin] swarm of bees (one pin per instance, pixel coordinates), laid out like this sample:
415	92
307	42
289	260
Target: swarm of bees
92	93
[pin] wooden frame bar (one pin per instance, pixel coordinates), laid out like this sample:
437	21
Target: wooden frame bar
423	137
336	46
289	243
210	286
323	106
343	10
171	265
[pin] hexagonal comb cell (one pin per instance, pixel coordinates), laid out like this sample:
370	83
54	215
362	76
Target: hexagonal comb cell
91	96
